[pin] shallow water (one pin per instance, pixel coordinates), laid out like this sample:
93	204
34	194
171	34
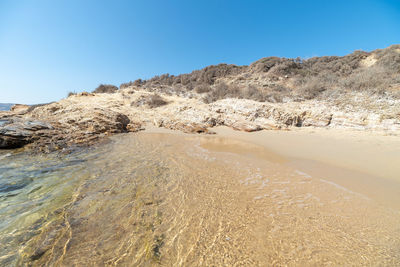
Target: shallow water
163	199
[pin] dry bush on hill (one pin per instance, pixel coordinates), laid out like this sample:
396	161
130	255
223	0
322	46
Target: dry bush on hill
202	88
156	101
126	85
313	86
275	79
105	88
152	101
204	76
222	91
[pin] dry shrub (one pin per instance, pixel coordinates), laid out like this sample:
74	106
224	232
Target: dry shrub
264	64
287	67
268	79
202	88
222	91
152	101
311	89
190	81
105	88
156	101
375	80
314	86
125	85
71	93
253	93
136	83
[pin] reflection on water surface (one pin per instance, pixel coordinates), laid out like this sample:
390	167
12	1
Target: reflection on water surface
162	199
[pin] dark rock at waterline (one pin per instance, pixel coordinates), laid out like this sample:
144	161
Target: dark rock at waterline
16	132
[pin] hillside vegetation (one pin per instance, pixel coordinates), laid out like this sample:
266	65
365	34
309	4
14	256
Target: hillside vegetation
277	80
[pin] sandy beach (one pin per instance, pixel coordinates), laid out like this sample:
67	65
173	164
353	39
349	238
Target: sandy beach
363	162
200	133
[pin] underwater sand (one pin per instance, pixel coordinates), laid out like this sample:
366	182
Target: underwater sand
163	198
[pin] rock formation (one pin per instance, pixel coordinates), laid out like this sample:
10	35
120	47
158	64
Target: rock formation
83	118
358	91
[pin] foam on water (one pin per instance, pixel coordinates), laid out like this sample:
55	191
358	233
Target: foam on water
303	174
344	188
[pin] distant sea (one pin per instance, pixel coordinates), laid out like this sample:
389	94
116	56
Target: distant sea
5	106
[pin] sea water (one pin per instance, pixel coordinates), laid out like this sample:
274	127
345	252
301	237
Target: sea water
164	199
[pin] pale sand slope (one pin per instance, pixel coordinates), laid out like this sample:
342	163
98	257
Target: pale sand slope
367	163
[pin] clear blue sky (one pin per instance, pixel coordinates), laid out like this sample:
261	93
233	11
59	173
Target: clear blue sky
48	47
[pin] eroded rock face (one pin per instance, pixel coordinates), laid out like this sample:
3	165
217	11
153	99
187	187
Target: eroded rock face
83	119
16	132
187	127
60	128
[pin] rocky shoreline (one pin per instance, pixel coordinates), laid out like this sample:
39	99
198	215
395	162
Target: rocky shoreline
85	118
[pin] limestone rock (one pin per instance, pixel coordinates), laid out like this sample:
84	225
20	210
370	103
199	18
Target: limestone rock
187	127
321	120
16	133
85	118
134	127
20	108
245	126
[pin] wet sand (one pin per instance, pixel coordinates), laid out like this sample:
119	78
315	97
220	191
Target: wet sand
365	162
369	152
